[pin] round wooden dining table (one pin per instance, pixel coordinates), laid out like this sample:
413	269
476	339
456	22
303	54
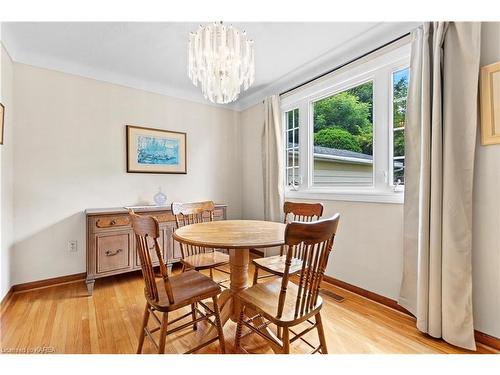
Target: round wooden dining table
238	236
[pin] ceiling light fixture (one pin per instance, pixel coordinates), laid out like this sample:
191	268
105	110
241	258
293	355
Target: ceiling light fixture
221	59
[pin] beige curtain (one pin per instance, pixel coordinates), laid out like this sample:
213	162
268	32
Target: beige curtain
272	159
440	140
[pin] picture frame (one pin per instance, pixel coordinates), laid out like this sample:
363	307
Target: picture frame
2	118
151	150
490	104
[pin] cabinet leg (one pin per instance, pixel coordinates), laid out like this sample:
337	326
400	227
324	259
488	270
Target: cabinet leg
90	286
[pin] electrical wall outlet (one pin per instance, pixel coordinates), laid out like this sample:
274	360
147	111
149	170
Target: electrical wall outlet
72	246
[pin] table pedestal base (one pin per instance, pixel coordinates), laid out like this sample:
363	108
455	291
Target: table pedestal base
229	306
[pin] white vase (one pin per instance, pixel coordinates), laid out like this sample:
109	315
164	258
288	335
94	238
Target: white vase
160	198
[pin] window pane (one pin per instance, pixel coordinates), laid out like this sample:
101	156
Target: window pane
343	138
400	80
399	171
399	142
292	149
296	136
296	117
290	119
289	160
293	176
399	94
293	157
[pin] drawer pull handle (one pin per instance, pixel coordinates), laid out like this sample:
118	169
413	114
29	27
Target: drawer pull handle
112	222
110	253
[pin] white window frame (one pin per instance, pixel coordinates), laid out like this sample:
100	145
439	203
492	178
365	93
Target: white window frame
378	69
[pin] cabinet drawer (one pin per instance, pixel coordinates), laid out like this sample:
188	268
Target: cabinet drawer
165	218
113	251
107	222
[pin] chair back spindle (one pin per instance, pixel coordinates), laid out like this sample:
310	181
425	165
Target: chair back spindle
147	233
311	242
192	213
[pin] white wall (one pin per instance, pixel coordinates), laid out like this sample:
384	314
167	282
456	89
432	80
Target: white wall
252	126
486	214
6	182
71	156
368	248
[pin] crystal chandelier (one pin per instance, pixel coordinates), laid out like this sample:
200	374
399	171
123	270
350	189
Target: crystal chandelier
221	59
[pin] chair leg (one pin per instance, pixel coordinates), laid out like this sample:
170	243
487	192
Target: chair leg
255	275
278	332
321	333
218	322
163	333
286	340
211	273
143	327
239	328
193	314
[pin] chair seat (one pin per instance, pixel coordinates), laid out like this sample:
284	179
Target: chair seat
264	299
276	264
187	287
206	260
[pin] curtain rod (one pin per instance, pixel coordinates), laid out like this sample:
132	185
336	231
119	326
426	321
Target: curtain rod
346	63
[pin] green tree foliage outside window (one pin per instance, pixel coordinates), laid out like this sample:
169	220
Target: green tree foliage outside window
337	138
399	97
348	116
352	112
400	92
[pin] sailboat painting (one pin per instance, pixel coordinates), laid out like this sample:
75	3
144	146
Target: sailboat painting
155	150
152	150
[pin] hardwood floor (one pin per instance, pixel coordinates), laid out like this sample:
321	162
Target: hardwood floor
63	319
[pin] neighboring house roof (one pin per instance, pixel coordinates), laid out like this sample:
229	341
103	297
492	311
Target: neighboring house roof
343	156
346	156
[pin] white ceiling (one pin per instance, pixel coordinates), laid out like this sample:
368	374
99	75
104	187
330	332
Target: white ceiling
153	56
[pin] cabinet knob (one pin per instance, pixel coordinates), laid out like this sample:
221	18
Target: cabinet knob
110	253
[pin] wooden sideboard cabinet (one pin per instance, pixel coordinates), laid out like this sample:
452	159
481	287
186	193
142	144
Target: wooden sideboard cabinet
111	246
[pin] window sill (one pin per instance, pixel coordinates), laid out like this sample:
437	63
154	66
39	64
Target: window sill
352	196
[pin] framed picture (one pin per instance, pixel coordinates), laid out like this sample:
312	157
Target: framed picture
2	117
490	104
155	151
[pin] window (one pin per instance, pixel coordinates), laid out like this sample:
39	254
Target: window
343	138
400	80
351	130
292	148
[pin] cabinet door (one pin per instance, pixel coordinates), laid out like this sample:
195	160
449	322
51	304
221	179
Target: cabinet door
113	251
173	247
152	250
219	214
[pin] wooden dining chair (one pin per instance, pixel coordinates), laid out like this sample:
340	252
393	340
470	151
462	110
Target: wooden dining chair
275	265
284	303
167	294
197	257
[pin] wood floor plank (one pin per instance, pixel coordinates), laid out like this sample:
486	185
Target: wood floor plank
65	318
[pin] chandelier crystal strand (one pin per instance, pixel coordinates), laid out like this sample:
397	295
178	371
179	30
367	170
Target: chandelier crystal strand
221	61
